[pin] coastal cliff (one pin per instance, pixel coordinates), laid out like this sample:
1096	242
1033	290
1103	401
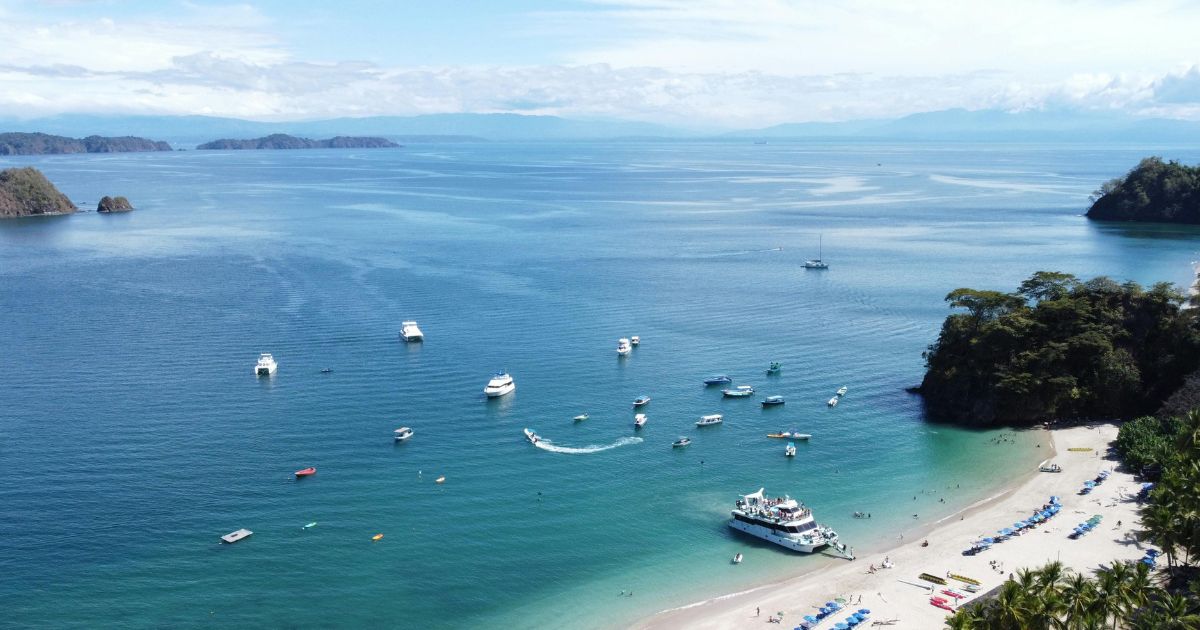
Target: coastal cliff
42	144
1164	192
113	204
1059	347
26	192
284	141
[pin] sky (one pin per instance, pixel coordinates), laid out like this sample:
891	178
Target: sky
719	64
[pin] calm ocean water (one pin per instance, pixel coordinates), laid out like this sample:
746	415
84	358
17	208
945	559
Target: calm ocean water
134	433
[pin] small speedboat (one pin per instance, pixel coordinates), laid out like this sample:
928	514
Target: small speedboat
402	434
718	380
741	391
772	400
832	401
641	400
304	472
709	420
266	365
635	340
1052	468
639	421
581	417
409	331
737	559
842	390
326	370
623	346
683	441
532	437
774	368
790	450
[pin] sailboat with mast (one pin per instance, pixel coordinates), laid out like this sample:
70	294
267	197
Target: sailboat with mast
817	263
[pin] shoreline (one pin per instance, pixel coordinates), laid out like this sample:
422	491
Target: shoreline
891	594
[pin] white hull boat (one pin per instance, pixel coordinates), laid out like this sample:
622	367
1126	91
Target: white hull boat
409	331
500	385
783	521
266	365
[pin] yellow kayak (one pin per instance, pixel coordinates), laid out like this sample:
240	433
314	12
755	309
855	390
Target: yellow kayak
963	578
377	537
1080	449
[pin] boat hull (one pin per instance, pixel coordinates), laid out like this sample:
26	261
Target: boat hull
769	535
499	391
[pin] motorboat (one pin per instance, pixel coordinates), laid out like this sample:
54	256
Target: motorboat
770	401
266	365
500	385
1050	468
741	391
233	537
641	401
737	559
774	368
532	437
402	434
635	340
581	417
790	450
623	346
639	421
326	370
781	520
817	263
791	435
682	441
409	331
709	420
842	390
718	380
832	402
305	472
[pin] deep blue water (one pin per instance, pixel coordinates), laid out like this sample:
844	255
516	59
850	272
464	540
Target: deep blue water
133	433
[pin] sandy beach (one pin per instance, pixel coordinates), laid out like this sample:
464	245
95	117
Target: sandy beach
897	595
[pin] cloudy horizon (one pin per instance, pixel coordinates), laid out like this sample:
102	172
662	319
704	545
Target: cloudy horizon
706	63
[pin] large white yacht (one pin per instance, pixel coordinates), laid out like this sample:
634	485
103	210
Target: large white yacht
623	346
781	520
500	385
409	331
266	365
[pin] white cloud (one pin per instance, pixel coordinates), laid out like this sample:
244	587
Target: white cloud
747	63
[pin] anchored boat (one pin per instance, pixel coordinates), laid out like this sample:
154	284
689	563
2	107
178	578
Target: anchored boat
781	520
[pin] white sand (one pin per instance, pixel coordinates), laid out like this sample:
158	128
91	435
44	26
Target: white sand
890	599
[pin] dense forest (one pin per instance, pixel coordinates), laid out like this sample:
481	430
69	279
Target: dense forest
284	141
1059	347
1121	594
1153	191
26	192
42	143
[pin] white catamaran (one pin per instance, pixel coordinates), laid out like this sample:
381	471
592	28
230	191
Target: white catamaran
781	520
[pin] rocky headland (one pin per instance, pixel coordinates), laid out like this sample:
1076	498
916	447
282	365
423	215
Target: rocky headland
43	144
113	204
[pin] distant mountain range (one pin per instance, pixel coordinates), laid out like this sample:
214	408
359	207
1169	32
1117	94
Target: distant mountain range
941	126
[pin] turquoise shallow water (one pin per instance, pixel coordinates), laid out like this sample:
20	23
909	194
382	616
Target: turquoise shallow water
134	433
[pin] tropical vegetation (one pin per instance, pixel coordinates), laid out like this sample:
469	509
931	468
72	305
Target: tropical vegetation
1057	348
1123	594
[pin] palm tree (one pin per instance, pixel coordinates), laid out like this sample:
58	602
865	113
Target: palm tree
1107	603
1077	595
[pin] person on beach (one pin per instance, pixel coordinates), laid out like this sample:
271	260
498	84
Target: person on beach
757	611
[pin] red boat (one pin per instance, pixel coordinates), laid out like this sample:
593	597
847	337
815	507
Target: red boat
306	472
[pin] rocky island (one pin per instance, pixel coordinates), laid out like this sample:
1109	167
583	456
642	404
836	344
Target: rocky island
1158	191
113	204
284	141
42	144
26	192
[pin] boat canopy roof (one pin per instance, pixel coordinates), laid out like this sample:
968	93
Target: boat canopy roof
754	496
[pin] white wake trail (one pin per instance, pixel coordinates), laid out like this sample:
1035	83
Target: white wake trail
547	445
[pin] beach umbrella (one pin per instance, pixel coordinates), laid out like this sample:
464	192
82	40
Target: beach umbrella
840	626
810	618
